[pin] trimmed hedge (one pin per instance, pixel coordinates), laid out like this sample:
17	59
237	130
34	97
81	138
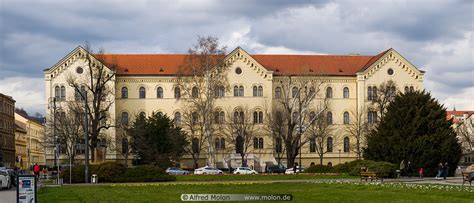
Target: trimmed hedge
117	172
384	169
144	173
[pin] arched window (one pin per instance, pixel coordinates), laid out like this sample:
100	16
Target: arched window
236	91
219	117
124	118
412	89
312	116
255	117
195	92
260	91
260	143
294	92
346	117
329	144
177	92
278	92
142	93
195	145
372	116
194	118
374	93
124	145
239	116
260	117
329	117
255	143
177	118
346	144
219	91
312	145
222	143
406	89
217	143
63	93
278	143
329	92
159	92
255	91
312	92
57	93
124	92
294	117
241	91
369	93
345	92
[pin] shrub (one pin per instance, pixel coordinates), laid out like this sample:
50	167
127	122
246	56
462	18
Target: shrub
144	173
384	169
319	169
78	173
107	171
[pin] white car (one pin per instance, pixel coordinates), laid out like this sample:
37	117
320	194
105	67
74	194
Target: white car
245	170
291	170
207	170
5	181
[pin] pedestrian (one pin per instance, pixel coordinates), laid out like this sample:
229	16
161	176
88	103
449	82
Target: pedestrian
421	172
409	169
36	170
402	168
440	170
445	170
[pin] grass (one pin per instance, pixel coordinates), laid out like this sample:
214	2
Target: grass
259	177
302	192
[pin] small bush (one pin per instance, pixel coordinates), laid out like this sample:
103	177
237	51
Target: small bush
107	171
144	173
78	173
319	169
384	169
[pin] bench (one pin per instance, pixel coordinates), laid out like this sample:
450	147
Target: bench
369	175
467	177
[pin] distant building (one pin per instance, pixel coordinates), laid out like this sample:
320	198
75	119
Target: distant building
20	146
463	123
33	140
7	131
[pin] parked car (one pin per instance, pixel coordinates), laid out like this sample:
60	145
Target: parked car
291	170
245	170
13	175
276	169
176	171
207	170
5	180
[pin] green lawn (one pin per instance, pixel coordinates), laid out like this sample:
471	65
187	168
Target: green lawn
302	192
260	177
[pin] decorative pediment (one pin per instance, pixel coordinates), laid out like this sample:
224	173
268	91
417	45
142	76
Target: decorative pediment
391	56
240	54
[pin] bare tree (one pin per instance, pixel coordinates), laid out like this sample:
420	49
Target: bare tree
69	130
466	135
99	86
201	78
191	122
296	97
275	125
240	129
358	130
320	131
381	98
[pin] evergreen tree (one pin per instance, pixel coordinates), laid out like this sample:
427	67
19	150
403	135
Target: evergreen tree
157	141
415	129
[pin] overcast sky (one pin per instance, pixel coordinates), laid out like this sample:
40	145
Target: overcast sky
436	36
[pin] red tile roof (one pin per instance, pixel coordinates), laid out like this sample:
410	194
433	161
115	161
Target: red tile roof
454	114
168	64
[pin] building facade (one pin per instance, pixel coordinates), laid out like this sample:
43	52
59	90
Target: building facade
146	83
30	141
463	124
7	131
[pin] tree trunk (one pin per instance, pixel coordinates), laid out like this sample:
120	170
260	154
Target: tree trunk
321	159
244	163
92	159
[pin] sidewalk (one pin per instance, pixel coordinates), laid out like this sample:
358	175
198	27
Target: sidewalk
428	180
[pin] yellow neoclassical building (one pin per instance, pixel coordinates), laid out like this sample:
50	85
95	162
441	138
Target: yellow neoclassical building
146	83
29	141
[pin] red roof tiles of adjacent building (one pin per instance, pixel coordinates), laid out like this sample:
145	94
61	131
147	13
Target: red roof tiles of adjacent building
454	114
168	64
